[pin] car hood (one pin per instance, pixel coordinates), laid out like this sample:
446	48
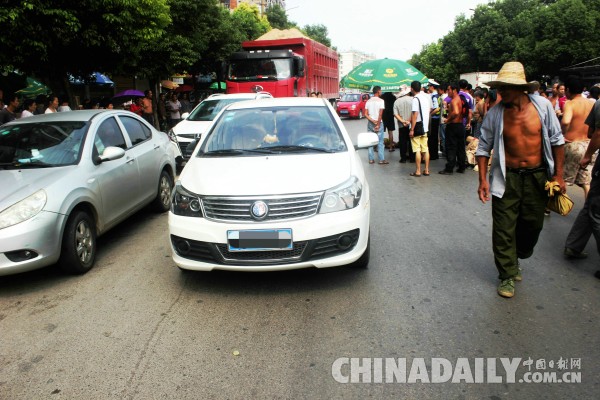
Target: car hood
18	184
191	127
266	175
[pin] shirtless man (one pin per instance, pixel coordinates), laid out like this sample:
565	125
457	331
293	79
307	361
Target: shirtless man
147	112
575	131
455	134
531	146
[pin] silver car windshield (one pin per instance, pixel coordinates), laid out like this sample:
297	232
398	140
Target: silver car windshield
34	145
350	97
208	109
273	130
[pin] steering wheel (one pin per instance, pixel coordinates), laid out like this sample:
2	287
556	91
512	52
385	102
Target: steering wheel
309	141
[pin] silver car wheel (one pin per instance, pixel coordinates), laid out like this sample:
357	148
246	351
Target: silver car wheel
83	241
165	191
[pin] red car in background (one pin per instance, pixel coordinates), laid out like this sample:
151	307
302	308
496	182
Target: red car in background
352	105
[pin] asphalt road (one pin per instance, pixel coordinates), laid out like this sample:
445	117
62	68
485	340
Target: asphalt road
135	327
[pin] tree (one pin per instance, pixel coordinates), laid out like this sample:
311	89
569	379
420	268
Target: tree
278	17
319	33
50	38
247	20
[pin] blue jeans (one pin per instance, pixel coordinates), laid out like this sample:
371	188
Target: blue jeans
380	152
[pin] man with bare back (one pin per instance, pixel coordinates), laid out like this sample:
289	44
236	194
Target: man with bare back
528	149
575	131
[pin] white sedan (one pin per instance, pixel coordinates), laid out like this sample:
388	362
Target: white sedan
275	184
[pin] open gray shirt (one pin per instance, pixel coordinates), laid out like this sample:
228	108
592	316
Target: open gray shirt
492	137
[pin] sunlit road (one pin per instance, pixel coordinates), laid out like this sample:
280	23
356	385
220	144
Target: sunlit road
136	327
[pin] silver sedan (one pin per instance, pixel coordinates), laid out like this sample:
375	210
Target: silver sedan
68	177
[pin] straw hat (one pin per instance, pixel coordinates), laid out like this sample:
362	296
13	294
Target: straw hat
512	73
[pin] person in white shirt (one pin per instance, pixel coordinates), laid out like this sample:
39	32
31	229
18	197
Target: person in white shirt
421	108
174	107
374	113
64	106
28	108
52	106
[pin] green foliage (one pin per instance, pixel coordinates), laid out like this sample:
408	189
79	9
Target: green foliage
247	19
278	18
545	35
319	33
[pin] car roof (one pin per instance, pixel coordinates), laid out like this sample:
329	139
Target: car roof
280	102
77	115
239	95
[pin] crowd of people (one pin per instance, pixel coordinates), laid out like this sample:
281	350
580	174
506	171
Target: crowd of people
522	133
168	108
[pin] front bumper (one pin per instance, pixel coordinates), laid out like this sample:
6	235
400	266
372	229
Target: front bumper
316	242
40	235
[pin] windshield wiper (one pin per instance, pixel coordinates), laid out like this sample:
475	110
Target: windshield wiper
223	152
299	148
28	164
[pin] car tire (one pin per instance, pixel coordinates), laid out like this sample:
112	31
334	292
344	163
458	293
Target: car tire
360	114
162	202
363	261
78	248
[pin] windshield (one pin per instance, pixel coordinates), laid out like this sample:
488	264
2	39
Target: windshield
260	69
208	109
273	130
42	144
351	97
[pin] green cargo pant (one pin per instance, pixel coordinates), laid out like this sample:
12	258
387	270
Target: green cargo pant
518	219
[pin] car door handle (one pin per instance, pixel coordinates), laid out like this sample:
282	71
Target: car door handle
129	161
156	146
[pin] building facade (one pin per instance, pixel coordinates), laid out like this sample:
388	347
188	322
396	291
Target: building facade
261	4
351	59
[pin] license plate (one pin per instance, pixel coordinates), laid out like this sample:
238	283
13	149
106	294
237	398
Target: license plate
260	240
343	111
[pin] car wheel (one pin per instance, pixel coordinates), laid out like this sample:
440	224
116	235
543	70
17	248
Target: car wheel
363	261
162	202
78	251
360	114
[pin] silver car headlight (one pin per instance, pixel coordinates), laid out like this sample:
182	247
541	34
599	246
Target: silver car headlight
23	210
342	197
185	203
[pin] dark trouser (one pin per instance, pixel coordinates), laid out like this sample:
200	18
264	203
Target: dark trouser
406	152
148	117
518	219
455	146
433	139
588	219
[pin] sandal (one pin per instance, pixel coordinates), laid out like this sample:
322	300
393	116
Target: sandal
383	162
371	161
414	174
426	173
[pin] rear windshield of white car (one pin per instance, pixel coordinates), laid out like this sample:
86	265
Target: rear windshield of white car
273	130
39	145
208	109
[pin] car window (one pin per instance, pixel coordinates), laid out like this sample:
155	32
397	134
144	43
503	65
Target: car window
136	130
208	109
109	134
43	143
269	127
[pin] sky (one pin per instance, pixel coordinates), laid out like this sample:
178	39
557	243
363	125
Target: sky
385	28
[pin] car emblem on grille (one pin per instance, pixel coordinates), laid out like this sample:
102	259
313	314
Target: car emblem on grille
259	209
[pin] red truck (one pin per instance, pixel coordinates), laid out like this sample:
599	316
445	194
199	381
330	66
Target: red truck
291	67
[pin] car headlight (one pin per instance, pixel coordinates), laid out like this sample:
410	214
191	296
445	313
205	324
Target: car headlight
353	106
27	208
185	203
342	197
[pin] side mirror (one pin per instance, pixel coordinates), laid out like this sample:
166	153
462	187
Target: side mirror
300	66
185	115
111	153
366	140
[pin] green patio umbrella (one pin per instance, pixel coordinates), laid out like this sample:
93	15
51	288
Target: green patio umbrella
388	73
33	89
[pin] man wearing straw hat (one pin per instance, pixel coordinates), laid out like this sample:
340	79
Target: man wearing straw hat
526	137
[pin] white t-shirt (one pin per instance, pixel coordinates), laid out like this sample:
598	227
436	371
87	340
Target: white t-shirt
426	106
26	113
373	106
174	107
49	111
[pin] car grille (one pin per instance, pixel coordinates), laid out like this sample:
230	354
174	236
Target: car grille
280	208
218	253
